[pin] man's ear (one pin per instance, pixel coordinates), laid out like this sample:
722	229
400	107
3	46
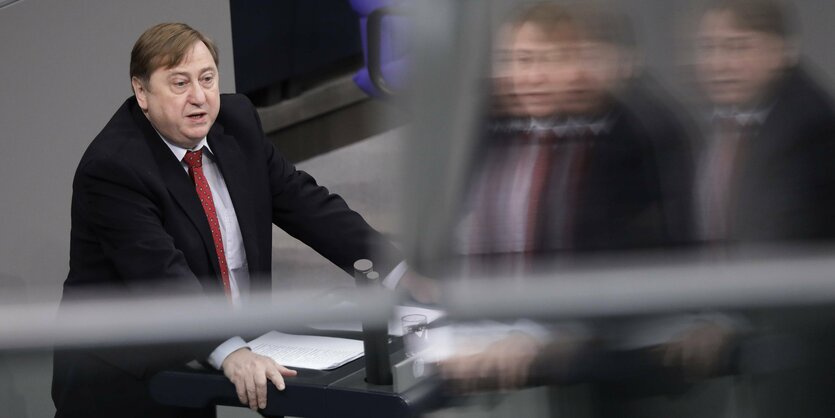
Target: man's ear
141	93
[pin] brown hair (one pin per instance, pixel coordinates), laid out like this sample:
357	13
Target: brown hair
767	16
545	15
164	46
583	20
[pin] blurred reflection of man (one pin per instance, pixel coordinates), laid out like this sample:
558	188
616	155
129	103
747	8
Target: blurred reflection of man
566	168
178	195
764	169
765	172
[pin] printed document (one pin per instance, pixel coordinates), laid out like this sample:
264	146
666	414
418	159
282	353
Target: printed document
306	351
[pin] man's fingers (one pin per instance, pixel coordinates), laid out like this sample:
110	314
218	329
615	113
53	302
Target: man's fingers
451	368
487	367
513	371
240	388
252	398
456	371
672	355
260	379
521	376
250	373
707	356
696	358
505	365
277	374
448	368
276	378
285	371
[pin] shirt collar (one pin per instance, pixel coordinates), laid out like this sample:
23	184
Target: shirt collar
180	152
564	127
743	117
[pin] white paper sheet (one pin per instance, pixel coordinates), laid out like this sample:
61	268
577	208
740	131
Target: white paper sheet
307	352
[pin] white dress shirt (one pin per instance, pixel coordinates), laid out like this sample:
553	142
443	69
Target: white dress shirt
233	242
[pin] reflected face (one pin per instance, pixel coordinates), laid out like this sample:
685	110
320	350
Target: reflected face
182	102
588	74
542	74
736	66
525	74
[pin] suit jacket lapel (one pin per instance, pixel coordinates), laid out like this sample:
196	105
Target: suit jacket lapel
179	185
233	167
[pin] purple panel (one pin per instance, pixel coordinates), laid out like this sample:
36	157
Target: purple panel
395	74
363	81
395	35
365	7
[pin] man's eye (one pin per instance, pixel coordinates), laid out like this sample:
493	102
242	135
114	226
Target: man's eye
524	60
743	47
553	57
207	81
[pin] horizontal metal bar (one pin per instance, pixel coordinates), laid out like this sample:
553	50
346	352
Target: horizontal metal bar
773	283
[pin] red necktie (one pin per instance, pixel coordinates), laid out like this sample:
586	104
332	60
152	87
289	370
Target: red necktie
539	186
722	164
194	160
569	155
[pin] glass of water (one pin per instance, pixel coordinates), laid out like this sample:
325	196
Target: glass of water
415	333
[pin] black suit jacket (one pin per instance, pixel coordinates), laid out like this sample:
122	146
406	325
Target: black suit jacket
665	123
138	226
784	181
622	199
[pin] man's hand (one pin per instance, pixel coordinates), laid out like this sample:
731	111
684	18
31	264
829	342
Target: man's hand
421	288
503	365
249	372
700	350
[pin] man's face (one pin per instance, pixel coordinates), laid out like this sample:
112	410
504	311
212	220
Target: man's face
736	66
545	74
525	75
588	73
182	102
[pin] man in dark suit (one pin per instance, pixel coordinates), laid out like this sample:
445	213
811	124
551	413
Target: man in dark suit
764	172
556	81
178	194
566	169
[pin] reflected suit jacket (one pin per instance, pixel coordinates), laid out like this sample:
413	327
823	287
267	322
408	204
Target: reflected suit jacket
618	199
783	184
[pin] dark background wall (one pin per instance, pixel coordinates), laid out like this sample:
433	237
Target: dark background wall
281	47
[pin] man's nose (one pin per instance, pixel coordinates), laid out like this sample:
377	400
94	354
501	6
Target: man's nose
726	61
196	94
536	74
720	60
574	72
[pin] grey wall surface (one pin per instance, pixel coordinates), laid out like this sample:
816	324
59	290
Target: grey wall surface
63	72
